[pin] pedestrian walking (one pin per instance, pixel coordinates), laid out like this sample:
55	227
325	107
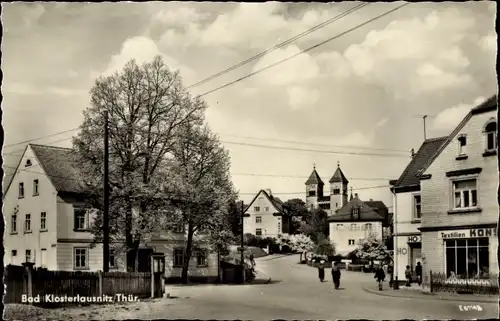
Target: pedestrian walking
252	260
321	270
336	275
418	272
390	271
380	277
408	275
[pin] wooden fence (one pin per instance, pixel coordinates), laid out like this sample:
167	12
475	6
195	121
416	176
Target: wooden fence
40	282
439	282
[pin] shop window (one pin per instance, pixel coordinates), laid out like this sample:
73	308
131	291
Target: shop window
467	258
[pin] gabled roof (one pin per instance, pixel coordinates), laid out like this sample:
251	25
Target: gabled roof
410	176
338	177
314	178
491	104
278	204
60	167
366	212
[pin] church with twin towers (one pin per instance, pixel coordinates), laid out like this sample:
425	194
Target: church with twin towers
337	197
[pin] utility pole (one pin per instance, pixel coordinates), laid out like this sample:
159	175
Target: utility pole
242	258
425	134
105	227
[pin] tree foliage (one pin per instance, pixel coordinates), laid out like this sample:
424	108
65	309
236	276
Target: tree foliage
324	246
299	211
315	225
372	248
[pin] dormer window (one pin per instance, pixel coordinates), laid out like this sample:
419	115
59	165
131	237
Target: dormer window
28	163
462	142
491	136
355	211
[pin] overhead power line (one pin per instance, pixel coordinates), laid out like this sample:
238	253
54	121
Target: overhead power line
301	193
301	52
42	137
280	45
306	177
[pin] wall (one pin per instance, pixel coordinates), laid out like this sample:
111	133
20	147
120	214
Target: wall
34	205
269	223
311	200
340	235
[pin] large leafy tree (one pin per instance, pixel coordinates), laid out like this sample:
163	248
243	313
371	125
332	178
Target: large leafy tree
299	211
199	177
324	246
302	243
372	248
147	107
316	225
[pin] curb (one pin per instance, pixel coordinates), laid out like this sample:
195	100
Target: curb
429	296
264	258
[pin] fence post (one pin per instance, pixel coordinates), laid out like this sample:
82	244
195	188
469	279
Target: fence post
430	280
101	290
152	278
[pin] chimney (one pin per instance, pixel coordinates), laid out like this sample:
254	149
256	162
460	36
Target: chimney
412	151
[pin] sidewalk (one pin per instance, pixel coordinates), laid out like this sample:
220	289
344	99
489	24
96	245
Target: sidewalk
416	292
271	257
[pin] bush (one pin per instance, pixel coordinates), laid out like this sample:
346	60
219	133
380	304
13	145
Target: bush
303	262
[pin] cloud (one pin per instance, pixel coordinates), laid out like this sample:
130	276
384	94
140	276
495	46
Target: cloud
382	122
431	78
489	43
25	89
301	97
141	49
451	117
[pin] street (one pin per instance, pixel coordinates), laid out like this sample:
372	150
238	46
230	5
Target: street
294	293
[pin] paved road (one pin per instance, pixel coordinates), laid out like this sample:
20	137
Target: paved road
296	293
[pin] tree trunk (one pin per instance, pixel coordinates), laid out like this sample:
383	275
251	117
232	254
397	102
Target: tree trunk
129	238
187	254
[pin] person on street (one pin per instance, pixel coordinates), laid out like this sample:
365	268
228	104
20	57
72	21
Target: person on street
252	260
321	270
418	272
390	271
380	277
336	275
408	275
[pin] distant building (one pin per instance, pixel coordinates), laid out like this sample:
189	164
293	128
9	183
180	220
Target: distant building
338	192
357	220
47	222
266	216
408	208
459	190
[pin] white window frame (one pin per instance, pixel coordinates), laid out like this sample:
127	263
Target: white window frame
13	223
43	221
77	221
490	133
27	223
201	259
258	219
36	185
258	230
461	179
28	256
369	226
414	207
256	208
351	243
77	253
178	257
461	148
21	190
467	247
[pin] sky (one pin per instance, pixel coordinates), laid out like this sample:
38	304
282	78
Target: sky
356	101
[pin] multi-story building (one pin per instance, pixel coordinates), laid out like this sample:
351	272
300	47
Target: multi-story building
459	197
266	216
48	223
357	220
408	209
338	192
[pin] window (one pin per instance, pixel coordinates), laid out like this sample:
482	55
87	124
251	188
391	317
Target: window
178	257
491	136
43	221
467	258
81	261
13	253
312	193
258	231
28	163
256	208
368	226
325	206
355	211
13	224
180	228
465	193
258	219
201	259
35	187
352	242
336	191
279	227
112	258
417	209
462	142
21	190
266	209
28	256
27	223
81	222
340	227
353	226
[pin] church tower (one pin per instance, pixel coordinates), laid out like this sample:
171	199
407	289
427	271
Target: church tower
338	189
314	190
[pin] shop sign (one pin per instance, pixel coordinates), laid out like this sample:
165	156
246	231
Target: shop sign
468	282
414	239
402	251
471	233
